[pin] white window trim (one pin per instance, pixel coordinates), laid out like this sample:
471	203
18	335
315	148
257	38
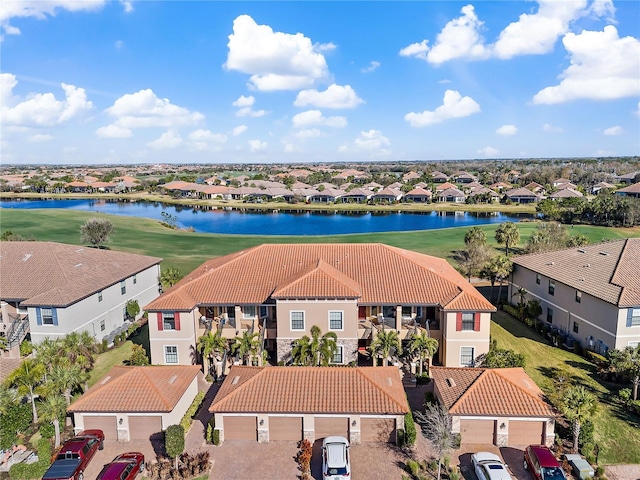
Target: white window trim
340	349
473	356
341	312
304	321
164	323
50	323
473	322
246	315
165	355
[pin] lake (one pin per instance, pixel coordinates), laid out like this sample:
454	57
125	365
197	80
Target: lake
283	222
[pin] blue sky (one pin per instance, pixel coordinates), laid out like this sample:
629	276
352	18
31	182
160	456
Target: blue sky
97	82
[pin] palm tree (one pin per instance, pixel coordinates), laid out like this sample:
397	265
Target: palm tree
315	350
247	346
27	377
208	344
578	405
47	353
522	303
425	346
52	409
508	234
79	349
498	269
386	344
475	236
63	379
628	361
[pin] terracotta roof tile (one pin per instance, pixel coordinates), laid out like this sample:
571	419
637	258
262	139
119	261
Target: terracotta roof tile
156	388
490	391
382	274
364	390
320	281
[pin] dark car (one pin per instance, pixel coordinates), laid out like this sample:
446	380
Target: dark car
542	463
124	467
75	455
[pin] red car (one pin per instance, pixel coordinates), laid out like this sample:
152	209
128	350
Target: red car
542	463
124	467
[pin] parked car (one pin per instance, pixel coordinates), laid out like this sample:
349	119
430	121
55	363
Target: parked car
124	467
489	466
335	458
542	464
75	455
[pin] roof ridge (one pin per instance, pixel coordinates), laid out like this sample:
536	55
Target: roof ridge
538	398
98	386
241	387
362	373
153	386
469	388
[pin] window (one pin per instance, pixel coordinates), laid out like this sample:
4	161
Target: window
466	356
633	344
102	325
100	296
406	312
335	321
47	316
171	354
123	287
575	327
538	278
374	310
635	317
297	320
467	321
249	311
168	321
552	287
550	315
578	296
337	356
135	279
263	311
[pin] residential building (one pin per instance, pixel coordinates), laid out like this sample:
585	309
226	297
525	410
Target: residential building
354	290
630	191
590	292
52	289
521	195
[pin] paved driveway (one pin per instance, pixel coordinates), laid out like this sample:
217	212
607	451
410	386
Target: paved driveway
513	457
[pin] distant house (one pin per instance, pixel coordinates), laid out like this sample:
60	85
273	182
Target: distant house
356	195
500	186
439	177
600	186
70	288
562	186
465	177
522	195
387	195
78	187
535	188
444	186
560	181
565	193
500	406
451	195
630	191
487	192
407	177
418	195
264	404
628	178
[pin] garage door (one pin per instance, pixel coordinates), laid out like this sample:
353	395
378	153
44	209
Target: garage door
477	431
142	427
240	428
106	424
525	433
378	430
285	428
327	426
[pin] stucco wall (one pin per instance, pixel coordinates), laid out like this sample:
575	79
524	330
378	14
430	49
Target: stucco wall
455	340
184	339
317	313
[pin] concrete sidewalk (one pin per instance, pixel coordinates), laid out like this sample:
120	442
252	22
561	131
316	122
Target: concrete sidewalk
622	472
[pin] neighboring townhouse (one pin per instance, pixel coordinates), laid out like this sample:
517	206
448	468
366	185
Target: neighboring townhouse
387	195
355	290
418	195
590	292
627	178
52	289
356	195
500	406
439	177
565	193
630	191
521	195
451	195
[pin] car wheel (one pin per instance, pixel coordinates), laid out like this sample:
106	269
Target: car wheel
101	446
81	476
142	467
524	464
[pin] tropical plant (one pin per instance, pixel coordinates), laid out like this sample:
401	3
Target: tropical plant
475	236
435	424
425	346
497	270
138	356
133	309
96	231
316	350
209	344
628	361
27	378
385	344
63	379
174	441
3	342
52	409
578	405
169	277
247	346
47	353
507	234
472	258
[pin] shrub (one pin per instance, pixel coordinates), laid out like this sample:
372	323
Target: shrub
587	450
586	433
400	437
174	440
511	310
191	411
304	456
599	471
216	437
16	420
138	355
409	428
26	348
47	430
211	425
596	358
429	398
625	395
412	467
422	379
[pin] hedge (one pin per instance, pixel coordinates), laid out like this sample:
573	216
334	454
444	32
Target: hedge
409	428
191	411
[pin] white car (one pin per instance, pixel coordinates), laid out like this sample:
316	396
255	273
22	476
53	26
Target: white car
489	466
335	459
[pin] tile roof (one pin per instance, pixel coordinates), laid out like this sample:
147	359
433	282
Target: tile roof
364	390
7	366
155	388
56	274
634	188
520	192
381	274
490	392
609	271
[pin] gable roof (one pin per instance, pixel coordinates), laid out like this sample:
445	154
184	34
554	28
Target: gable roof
58	275
609	271
154	388
520	192
490	392
378	273
364	390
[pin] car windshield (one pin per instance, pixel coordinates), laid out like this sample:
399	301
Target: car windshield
553	473
337	471
495	466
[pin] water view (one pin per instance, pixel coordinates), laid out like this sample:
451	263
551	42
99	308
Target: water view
288	222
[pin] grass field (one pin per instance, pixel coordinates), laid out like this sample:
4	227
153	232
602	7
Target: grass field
186	250
616	431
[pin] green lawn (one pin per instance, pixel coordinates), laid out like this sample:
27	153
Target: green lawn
616	432
109	359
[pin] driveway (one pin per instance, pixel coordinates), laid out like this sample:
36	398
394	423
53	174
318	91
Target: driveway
512	457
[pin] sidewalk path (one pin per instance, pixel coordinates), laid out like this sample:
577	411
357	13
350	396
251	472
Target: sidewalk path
622	472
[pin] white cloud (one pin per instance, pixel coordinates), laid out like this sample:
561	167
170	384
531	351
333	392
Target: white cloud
454	106
603	67
257	145
507	130
243	101
308	133
616	130
38	138
315	117
128	5
144	109
604	8
239	130
275	60
488	151
637	112
373	65
335	96
372	141
547	127
202	135
167	140
114	131
460	38
40	109
245	104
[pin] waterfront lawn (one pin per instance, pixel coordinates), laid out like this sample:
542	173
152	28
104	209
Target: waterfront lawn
186	250
616	432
